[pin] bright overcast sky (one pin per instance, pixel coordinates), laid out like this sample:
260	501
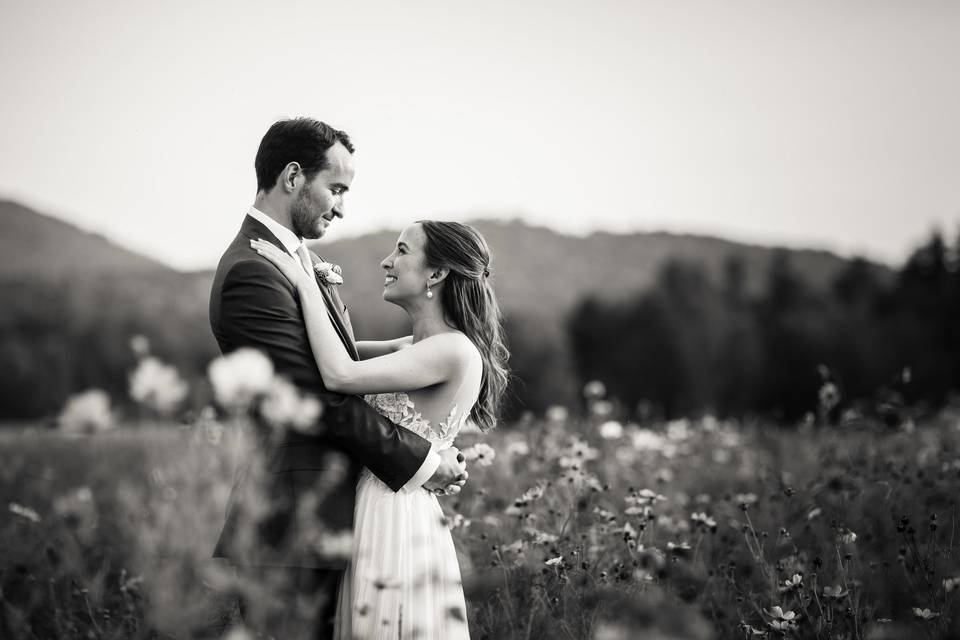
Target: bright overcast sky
807	123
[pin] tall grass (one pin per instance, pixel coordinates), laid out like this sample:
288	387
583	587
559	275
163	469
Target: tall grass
689	529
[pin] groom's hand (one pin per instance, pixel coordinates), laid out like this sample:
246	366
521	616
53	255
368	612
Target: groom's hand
451	475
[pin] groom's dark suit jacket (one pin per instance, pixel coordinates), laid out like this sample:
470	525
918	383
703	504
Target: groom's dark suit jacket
253	305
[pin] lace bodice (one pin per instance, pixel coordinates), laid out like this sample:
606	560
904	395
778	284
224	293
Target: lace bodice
399	408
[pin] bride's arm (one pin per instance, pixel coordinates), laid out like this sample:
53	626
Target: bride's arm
426	363
374	348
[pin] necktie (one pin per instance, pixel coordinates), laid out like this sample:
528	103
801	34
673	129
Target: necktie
305	260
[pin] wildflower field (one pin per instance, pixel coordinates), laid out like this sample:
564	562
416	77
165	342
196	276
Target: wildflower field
570	527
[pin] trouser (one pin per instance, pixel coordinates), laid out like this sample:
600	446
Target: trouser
296	603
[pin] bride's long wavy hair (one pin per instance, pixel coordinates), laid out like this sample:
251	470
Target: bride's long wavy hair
469	304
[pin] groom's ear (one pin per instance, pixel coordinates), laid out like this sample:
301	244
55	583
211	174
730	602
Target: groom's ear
289	176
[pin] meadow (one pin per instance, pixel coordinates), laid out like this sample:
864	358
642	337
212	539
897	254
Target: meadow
571	526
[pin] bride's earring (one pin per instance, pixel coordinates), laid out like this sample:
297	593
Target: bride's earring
429	293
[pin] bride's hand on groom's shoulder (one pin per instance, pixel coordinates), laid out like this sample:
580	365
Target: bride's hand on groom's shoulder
291	269
451	475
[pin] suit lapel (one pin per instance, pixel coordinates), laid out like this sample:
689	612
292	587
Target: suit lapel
334	307
254	229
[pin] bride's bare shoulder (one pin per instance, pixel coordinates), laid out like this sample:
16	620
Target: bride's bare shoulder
456	346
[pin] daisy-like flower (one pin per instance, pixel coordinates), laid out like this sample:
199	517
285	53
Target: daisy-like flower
791	583
782	620
834	593
530	495
950	584
848	537
481	453
925	614
679	547
580	449
540	537
24	512
645	497
703	520
552	562
745	499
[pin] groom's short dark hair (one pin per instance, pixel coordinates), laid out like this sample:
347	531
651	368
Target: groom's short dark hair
302	140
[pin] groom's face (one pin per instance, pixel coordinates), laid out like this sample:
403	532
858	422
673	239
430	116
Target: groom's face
320	200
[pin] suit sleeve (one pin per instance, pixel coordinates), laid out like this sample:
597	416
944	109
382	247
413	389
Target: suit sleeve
258	309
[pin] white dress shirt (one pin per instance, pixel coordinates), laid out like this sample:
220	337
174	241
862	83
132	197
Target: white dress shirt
291	242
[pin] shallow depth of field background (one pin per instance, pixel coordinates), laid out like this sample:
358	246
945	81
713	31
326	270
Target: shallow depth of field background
707	459
726	241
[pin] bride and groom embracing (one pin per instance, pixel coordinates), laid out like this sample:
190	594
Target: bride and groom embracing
383	449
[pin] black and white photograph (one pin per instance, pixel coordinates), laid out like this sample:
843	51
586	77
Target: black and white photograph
503	320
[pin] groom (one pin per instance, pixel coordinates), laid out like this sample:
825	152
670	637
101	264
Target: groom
304	169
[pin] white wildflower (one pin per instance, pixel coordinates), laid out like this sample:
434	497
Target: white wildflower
24	512
518	448
594	389
611	430
557	413
87	412
481	453
157	386
240	376
284	405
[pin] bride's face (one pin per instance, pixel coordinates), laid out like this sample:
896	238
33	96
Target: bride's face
406	274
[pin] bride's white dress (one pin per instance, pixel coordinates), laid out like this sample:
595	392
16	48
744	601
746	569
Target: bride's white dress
404	580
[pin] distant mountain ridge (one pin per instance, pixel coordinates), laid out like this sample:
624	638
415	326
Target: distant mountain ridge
73	299
540	272
537	272
37	245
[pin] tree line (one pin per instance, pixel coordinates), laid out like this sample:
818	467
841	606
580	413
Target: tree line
694	344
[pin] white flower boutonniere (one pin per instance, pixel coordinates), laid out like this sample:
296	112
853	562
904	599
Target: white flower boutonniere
330	274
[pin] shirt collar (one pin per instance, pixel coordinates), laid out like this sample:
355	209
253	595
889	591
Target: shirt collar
291	242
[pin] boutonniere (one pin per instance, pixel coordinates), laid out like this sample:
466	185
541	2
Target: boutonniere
329	273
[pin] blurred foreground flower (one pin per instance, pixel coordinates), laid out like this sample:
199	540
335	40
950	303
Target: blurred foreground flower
925	614
337	544
24	512
240	376
285	405
140	346
481	453
611	430
594	390
557	413
87	412
157	386
518	448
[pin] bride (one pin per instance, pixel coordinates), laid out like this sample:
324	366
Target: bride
404	580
